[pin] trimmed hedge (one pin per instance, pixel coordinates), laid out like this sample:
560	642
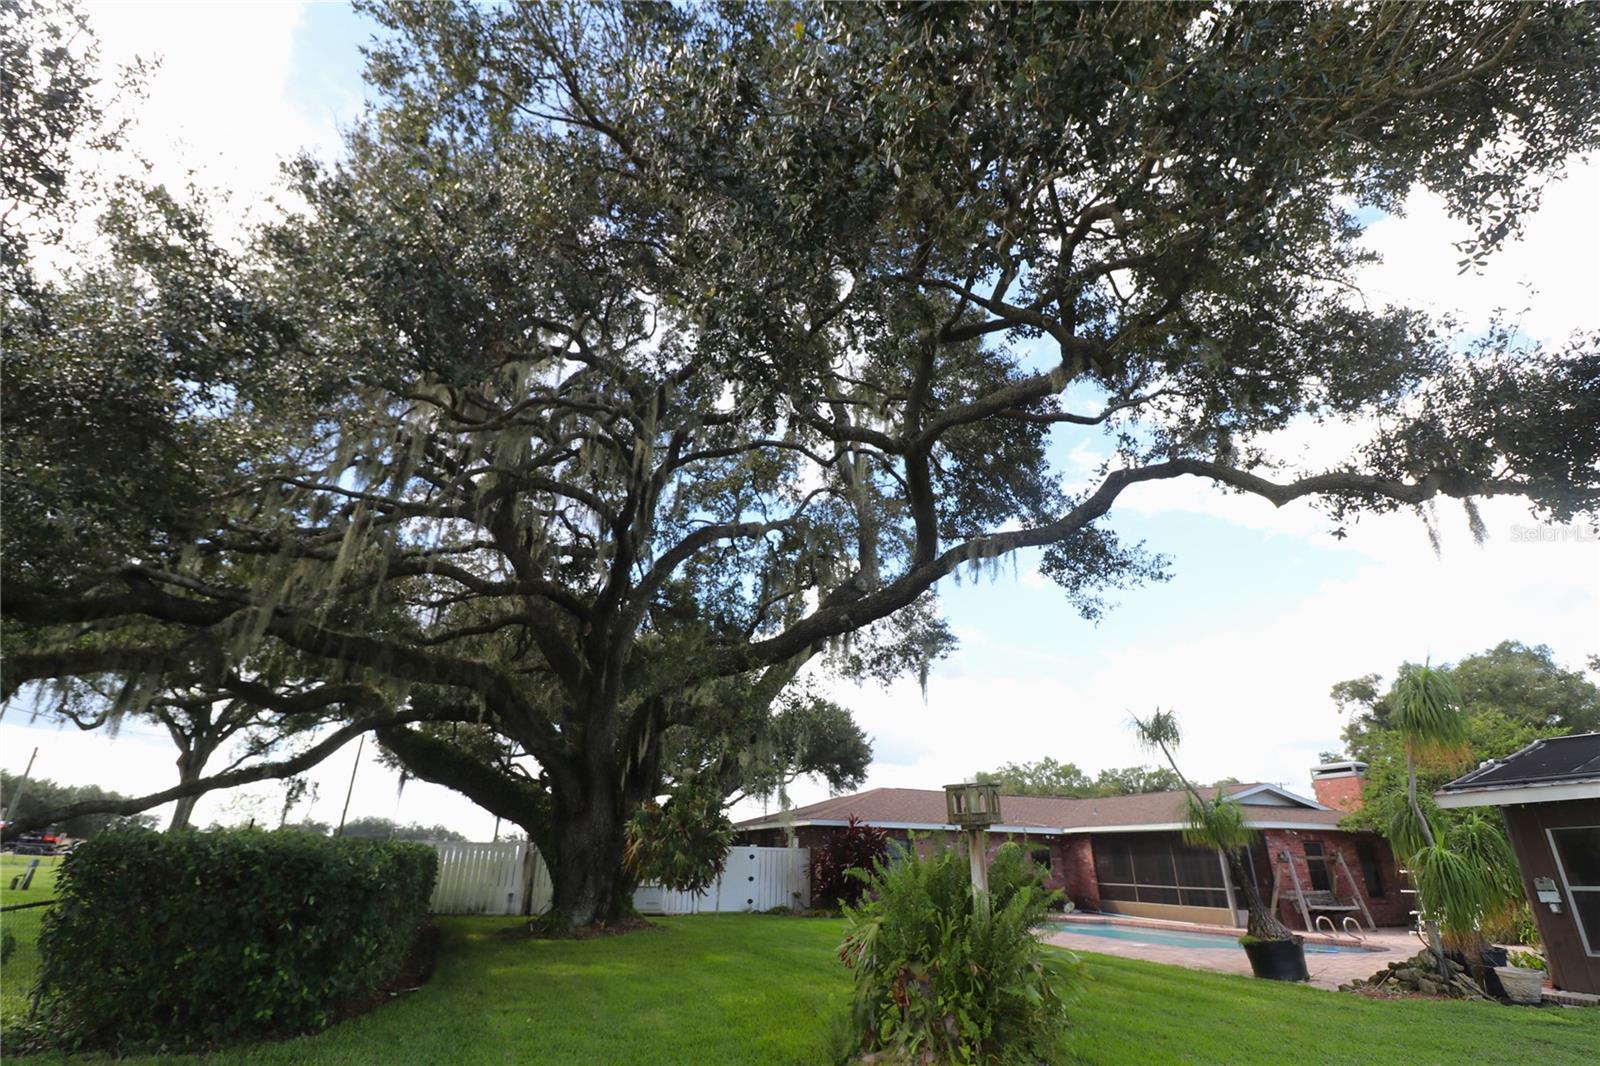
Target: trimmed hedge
194	939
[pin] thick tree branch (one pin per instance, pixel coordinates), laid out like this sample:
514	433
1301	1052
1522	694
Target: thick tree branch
229	779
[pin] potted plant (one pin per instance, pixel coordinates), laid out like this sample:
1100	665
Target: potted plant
1275	951
1522	977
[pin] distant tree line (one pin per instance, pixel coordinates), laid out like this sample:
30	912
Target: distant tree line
40	794
1047	777
1511	695
380	829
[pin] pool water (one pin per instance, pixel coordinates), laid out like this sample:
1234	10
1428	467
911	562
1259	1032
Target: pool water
1173	938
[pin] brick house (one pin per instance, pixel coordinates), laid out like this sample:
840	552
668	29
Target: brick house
1125	854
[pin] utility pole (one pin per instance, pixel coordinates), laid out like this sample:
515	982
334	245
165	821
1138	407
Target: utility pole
22	785
351	790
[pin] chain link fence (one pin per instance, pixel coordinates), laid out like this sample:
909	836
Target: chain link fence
27	892
19	955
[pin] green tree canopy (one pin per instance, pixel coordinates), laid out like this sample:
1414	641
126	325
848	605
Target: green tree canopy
1047	777
637	363
376	827
1512	694
1508	697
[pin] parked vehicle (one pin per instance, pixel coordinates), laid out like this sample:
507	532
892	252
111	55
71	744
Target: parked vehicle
39	842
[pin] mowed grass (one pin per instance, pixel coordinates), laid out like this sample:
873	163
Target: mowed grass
19	930
43	885
754	989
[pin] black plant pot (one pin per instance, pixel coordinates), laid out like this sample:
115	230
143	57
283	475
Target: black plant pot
1278	960
1490	980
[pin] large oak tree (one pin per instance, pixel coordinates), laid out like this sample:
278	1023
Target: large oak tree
635	361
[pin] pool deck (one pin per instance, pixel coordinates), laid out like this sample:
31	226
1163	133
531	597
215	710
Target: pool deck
1327	970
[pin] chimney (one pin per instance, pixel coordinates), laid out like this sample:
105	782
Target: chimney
1338	784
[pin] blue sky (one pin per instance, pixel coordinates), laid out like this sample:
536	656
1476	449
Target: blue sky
1265	609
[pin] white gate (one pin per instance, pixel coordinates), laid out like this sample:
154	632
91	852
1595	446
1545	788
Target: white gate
511	878
755	879
502	878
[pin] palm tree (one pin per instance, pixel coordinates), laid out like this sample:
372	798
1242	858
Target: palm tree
1464	869
1217	823
1427	715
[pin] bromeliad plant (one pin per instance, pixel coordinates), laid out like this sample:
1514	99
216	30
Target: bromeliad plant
940	979
682	843
1217	823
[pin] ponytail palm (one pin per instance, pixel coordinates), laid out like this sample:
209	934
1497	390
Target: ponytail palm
1428	717
1217	823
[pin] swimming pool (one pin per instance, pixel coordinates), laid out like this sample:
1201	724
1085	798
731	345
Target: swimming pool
1173	938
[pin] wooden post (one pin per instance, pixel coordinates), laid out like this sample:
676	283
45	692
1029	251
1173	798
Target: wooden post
1355	889
360	746
1299	893
974	806
980	869
22	786
1227	885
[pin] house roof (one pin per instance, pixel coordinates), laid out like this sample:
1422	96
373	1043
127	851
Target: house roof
1270	807
1546	771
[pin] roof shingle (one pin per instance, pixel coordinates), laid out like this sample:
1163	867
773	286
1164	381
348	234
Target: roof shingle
918	806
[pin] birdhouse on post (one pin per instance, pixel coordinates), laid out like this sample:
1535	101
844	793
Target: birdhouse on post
974	807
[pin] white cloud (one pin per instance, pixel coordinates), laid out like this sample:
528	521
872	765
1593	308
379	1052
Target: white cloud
1553	270
1251	693
218	105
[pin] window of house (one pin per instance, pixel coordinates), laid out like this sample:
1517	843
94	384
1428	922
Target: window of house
1577	851
1158	868
1317	865
1040	853
1371	869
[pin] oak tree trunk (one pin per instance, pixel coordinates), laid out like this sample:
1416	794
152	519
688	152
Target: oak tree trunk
590	885
183	811
191	764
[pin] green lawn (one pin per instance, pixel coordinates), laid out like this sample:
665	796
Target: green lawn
44	878
752	989
19	930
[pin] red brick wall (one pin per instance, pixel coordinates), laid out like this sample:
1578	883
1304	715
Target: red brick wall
1392	909
1072	864
929	842
1340	793
1076	860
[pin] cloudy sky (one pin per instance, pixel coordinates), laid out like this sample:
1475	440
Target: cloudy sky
1265	610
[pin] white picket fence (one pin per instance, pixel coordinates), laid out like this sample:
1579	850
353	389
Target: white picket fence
506	877
510	877
755	879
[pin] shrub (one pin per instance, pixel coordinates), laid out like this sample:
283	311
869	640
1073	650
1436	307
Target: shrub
192	939
684	844
1013	870
938	979
1528	960
859	847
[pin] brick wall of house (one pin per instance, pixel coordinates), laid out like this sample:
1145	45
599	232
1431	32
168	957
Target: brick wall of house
1076	859
928	843
1392	909
1072	864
